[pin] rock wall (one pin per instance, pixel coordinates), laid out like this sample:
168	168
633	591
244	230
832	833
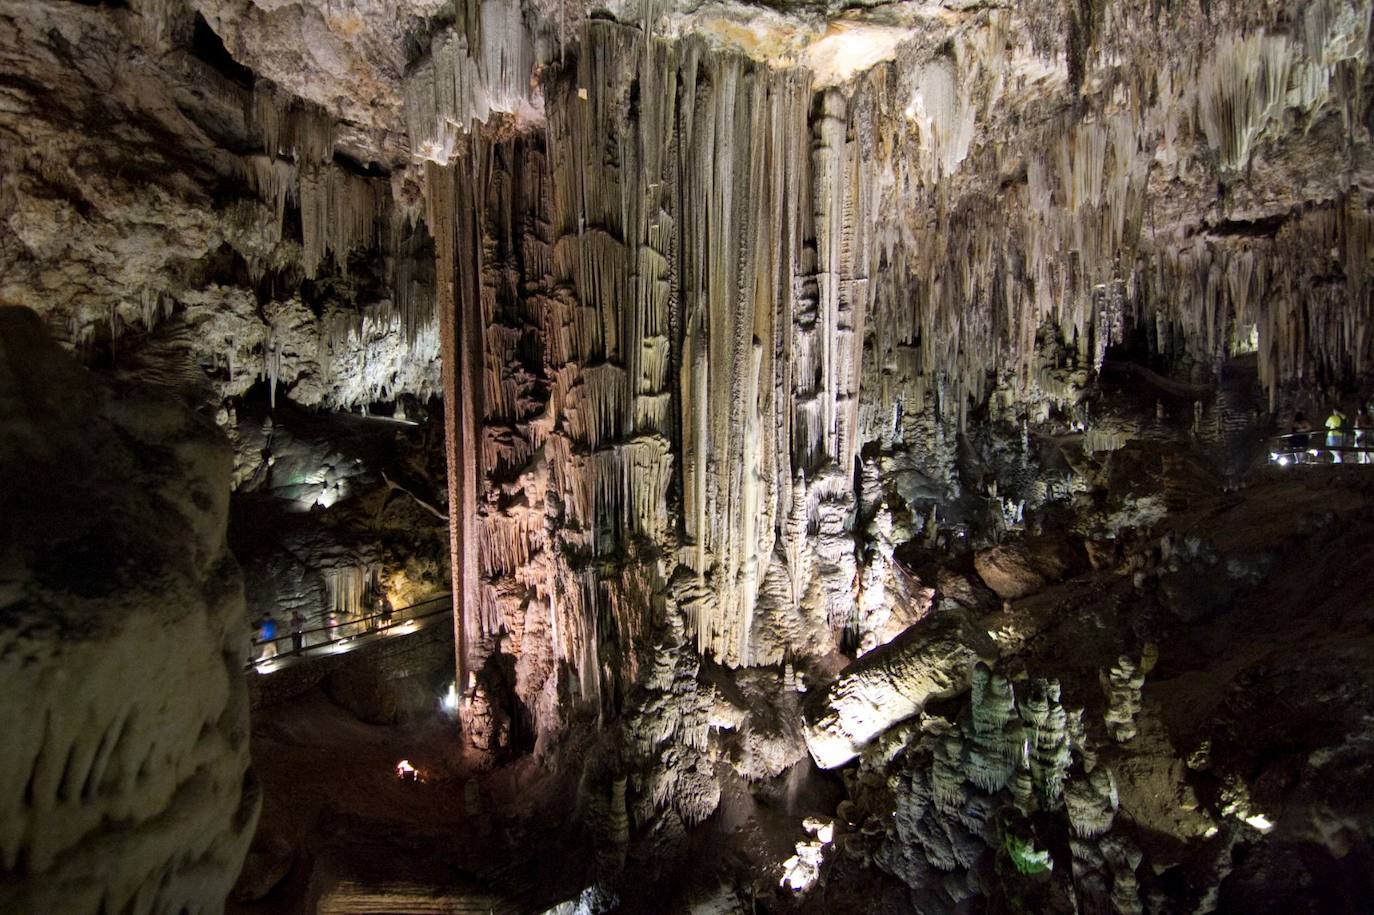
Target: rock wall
124	782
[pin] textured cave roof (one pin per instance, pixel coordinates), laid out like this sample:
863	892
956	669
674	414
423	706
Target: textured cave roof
127	128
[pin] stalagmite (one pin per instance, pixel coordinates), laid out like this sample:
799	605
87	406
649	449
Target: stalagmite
931	660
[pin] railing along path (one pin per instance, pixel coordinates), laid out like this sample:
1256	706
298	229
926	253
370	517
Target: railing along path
346	634
1322	447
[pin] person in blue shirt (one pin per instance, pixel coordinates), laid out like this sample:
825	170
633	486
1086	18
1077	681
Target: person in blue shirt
267	631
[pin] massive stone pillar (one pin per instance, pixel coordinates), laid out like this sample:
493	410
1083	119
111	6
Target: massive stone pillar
124	762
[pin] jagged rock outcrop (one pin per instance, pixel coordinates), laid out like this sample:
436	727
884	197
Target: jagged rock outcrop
1023	567
123	771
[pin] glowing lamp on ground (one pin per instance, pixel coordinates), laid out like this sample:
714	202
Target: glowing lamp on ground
408	773
449	701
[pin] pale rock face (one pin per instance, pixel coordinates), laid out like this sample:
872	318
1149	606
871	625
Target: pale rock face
346	57
931	660
123	769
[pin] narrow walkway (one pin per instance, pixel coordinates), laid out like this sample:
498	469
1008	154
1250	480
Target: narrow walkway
327	641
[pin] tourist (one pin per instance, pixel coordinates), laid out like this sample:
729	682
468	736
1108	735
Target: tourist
267	633
1363	425
1335	433
297	632
381	607
1300	437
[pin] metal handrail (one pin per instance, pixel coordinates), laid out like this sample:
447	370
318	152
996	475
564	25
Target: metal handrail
1321	440
1287	449
401	615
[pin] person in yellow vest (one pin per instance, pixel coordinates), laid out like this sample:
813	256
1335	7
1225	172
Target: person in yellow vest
1335	432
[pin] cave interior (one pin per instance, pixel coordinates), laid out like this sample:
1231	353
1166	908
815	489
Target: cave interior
665	456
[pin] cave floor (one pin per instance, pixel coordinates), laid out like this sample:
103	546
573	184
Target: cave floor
352	837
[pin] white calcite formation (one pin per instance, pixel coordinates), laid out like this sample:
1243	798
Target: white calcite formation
934	659
123	767
672	317
1122	684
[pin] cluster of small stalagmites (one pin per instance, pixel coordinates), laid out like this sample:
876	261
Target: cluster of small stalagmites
1104	874
1122	683
936	797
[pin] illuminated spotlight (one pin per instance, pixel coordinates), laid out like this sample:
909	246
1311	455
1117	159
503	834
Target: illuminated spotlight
449	700
1283	460
408	773
1259	821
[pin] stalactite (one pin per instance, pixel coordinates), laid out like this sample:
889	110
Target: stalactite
412	279
340	212
275	182
346	589
292	127
1240	90
457	84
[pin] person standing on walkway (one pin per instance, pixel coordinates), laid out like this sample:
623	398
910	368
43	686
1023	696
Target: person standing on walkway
267	634
297	632
1335	433
1300	438
1363	426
